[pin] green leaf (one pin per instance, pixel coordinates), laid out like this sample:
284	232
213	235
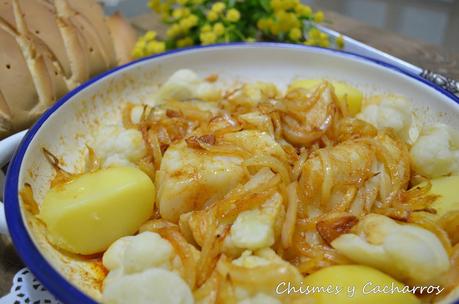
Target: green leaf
231	3
266	5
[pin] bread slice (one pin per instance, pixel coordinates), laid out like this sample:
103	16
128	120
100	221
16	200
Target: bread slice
5	117
41	20
91	47
75	46
16	85
46	72
124	37
93	15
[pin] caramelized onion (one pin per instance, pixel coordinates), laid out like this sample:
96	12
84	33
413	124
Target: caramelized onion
290	218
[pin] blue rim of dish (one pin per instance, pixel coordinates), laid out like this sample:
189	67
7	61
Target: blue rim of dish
42	269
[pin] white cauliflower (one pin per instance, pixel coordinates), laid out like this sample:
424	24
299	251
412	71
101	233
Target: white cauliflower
143	270
116	146
408	252
254	229
436	152
185	84
394	113
152	286
135	253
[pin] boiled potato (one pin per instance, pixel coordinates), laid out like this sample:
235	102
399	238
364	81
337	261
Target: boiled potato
447	189
359	284
93	210
348	96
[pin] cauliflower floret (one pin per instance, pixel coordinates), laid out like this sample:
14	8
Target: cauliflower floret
116	146
136	253
436	152
143	270
151	286
185	84
254	229
407	252
394	113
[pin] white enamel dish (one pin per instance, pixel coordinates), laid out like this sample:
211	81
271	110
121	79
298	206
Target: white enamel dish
75	119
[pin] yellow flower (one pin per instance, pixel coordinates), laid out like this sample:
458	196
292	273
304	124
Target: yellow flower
324	43
310	42
137	52
319	16
180	12
206	28
276	4
154	5
184	25
185	42
288	4
207	38
303	10
173	31
218	7
177	13
275	28
340	41
188	22
192	20
164	10
155	47
262	24
314	34
150	35
295	34
182	2
212	16
233	15
219	29
140	44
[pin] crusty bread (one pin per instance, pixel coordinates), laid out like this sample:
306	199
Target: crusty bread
92	15
40	18
16	86
124	37
48	48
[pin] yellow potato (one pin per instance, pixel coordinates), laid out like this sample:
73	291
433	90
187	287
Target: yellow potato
86	215
358	284
447	188
348	96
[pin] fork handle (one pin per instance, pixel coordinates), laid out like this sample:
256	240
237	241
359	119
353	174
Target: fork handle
446	83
